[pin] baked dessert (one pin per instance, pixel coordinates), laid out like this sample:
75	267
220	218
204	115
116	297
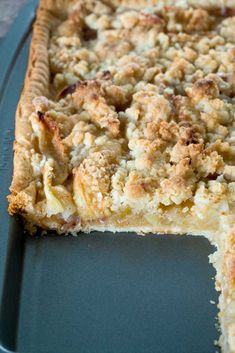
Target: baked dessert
126	123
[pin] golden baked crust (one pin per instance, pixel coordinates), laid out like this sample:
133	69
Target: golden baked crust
126	122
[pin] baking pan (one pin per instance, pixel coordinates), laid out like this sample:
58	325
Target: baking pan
97	293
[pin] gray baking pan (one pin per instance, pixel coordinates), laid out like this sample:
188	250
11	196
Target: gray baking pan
97	293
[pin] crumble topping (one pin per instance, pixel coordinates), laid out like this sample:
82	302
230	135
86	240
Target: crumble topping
140	115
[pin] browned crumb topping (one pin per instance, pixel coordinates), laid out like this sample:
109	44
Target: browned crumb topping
141	114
